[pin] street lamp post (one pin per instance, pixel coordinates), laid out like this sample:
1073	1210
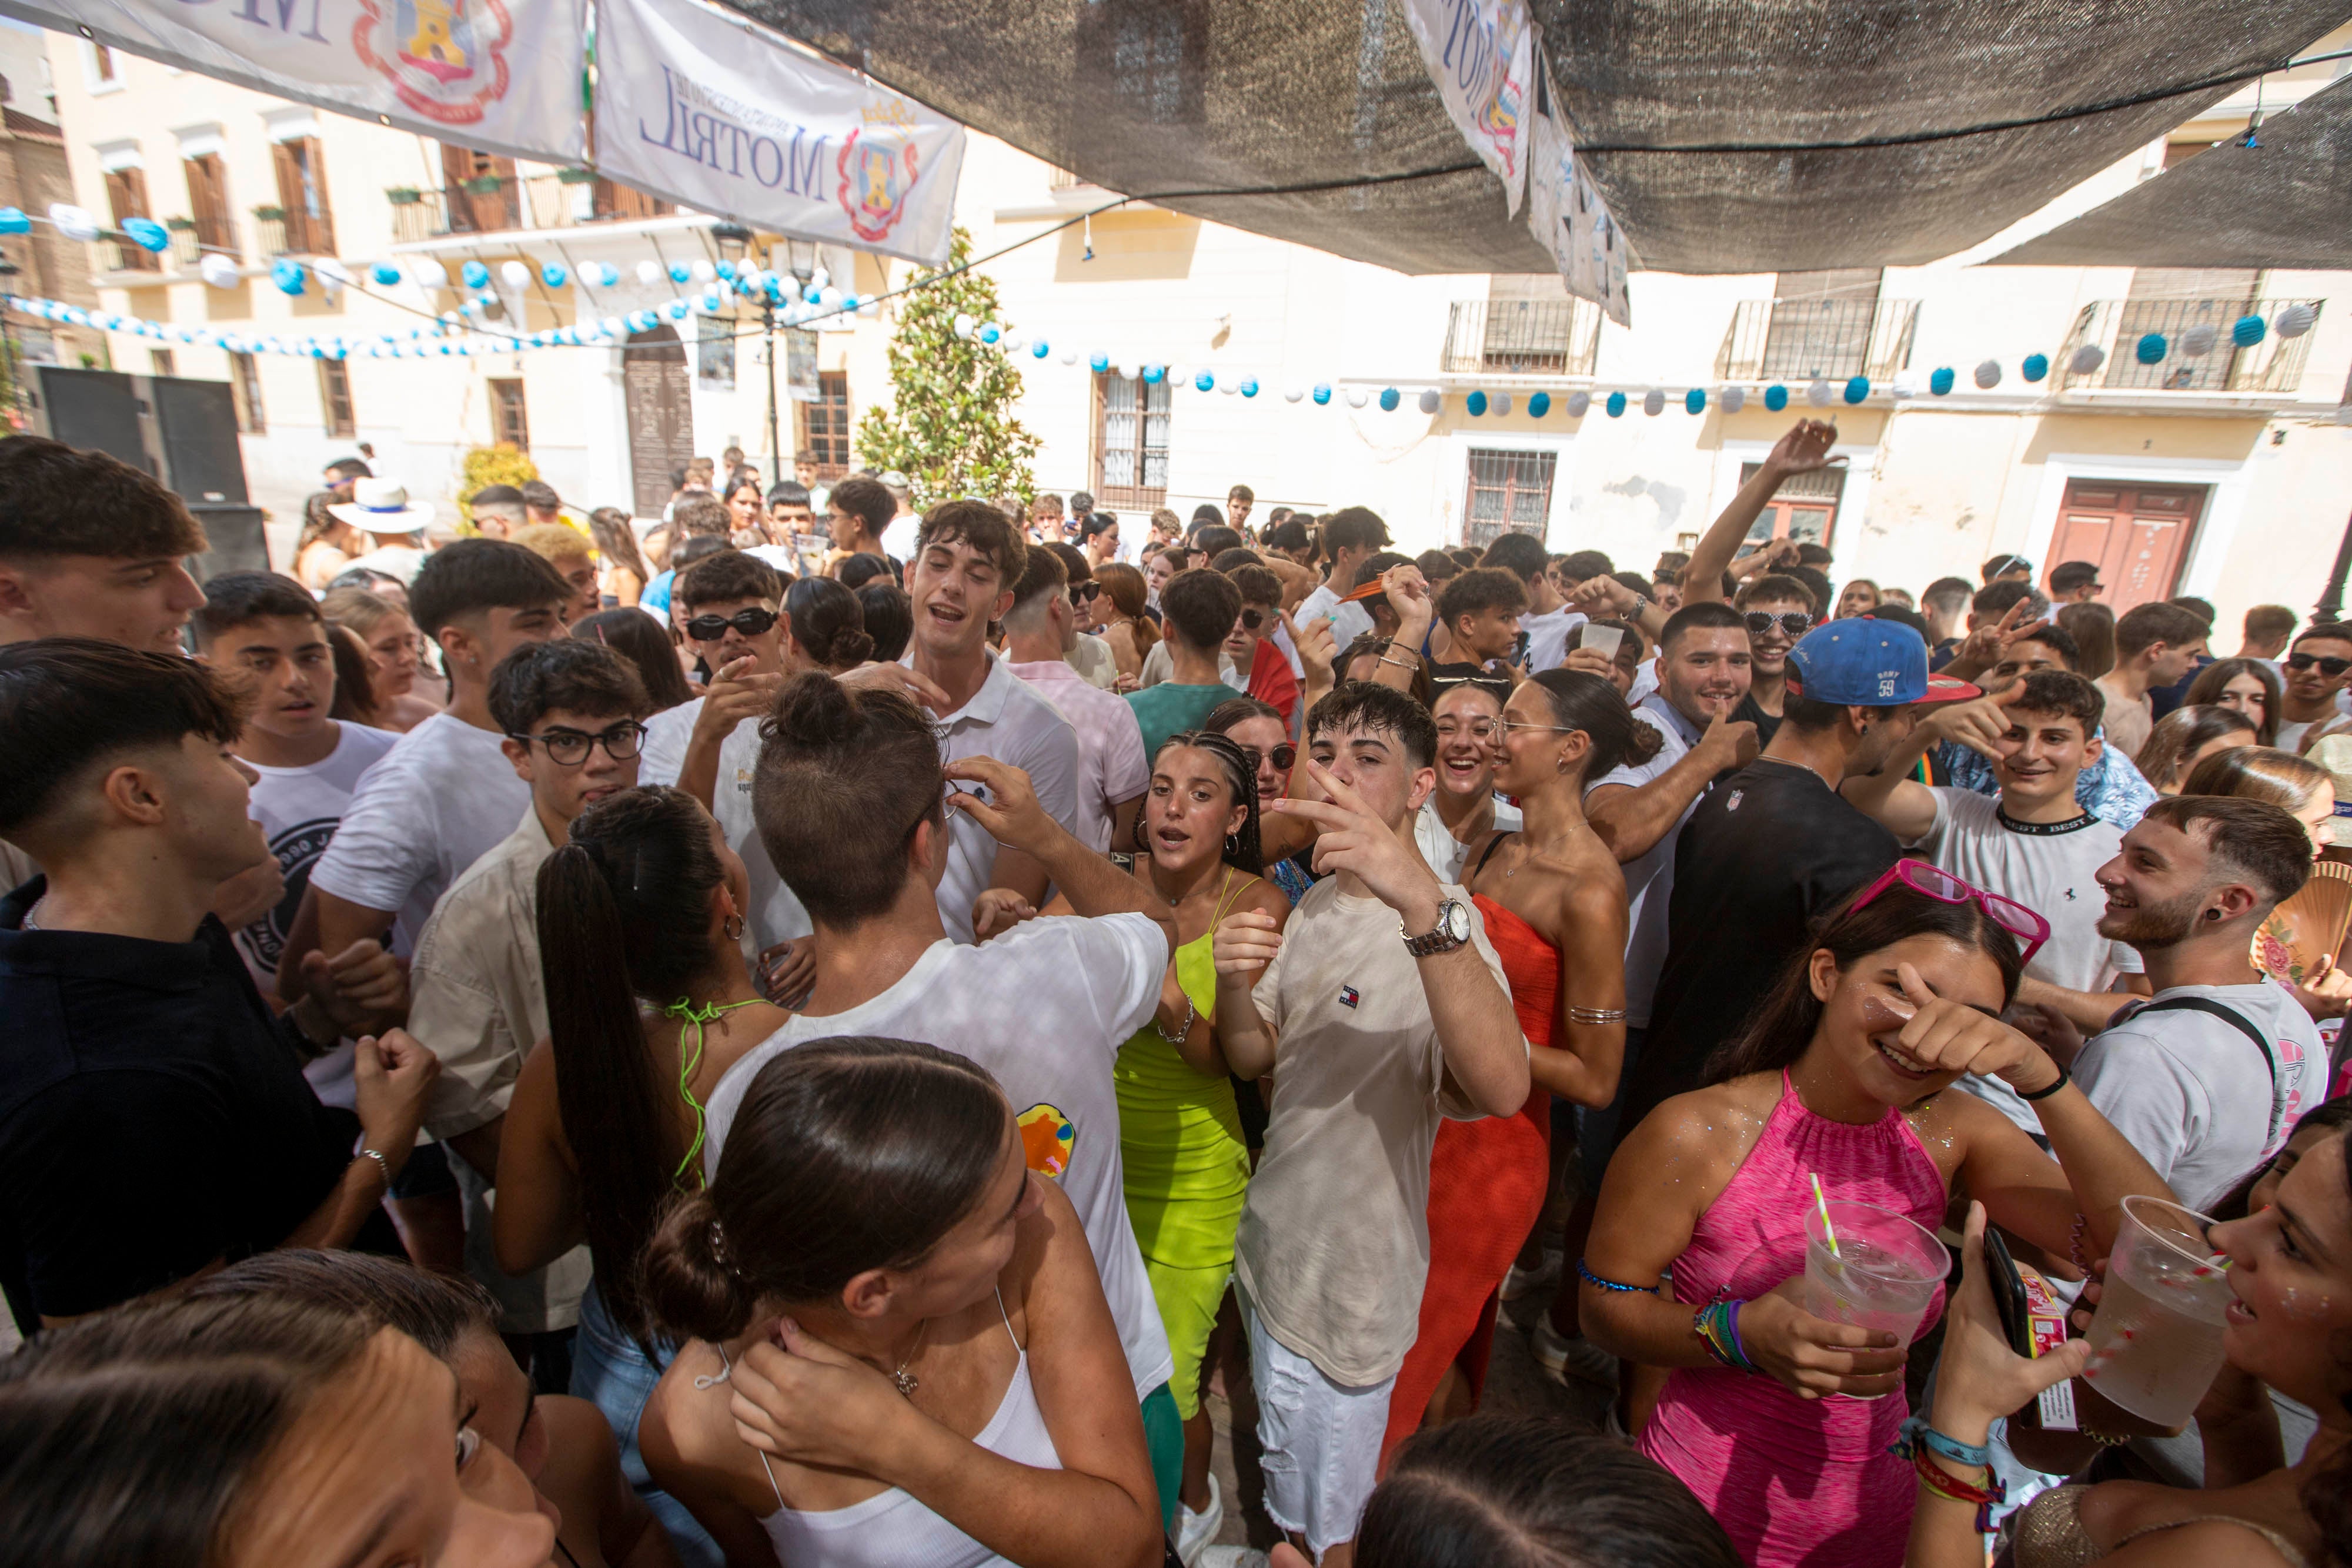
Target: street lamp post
735	244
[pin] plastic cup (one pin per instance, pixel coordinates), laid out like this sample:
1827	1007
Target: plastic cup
2155	1340
1883	1274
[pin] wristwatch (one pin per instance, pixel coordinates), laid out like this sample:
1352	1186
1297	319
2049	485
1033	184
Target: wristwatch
1451	931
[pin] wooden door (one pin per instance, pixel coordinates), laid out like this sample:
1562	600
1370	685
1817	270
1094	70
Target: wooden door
2137	536
658	392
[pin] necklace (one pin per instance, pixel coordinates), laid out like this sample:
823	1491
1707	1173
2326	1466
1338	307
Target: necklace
29	923
903	1380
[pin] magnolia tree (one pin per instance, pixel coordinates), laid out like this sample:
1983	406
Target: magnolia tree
950	426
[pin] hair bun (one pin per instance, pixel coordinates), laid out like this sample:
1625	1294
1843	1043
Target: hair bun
813	711
688	1284
850	648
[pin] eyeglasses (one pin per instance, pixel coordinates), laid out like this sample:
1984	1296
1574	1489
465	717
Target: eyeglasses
570	748
752	621
1931	881
2331	668
1477	729
1513	726
1080	593
1795	622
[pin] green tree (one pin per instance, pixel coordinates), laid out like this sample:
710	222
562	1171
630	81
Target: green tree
950	427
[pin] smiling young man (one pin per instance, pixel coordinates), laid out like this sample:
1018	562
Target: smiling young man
1333	1248
2208	1077
1477	630
2315	674
1350	537
2034	844
1547	619
1777	611
2108	786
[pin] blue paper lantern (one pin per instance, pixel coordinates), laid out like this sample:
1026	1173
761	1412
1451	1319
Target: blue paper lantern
2035	367
288	275
1039	349
2151	349
1695	400
385	274
677	310
1249	387
147	232
1098	363
680	272
476	275
1538	405
1203	382
991	333
1776	397
2245	331
1857	389
1940	381
727	270
13	221
1476	403
1616	405
1322	393
1155	375
553	275
642	320
1390	398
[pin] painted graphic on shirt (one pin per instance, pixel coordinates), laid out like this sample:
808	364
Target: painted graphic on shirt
297	849
1049	1138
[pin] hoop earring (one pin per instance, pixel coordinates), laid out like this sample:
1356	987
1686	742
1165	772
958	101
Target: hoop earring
1232	845
734	926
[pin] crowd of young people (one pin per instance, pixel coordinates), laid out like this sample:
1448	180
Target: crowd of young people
821	1034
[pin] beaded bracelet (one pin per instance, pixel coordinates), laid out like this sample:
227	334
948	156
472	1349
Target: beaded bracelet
1945	1484
1717	1327
1589	1278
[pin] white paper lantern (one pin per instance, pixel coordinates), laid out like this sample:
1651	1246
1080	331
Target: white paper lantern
1732	398
1013	342
1070	356
2196	342
963	326
1578	403
820	279
427	273
220	271
1653	401
649	272
1429	402
1358	397
2088	358
1229	384
1294	392
1988	375
74	223
2293	321
704	270
514	274
1818	394
1499	404
1905	385
1176	375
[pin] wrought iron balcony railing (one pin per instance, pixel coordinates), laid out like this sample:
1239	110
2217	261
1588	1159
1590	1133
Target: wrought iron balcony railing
1522	336
1827	340
2118	326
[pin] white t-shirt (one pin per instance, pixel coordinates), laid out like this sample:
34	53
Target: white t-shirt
2050	868
441	797
776	914
1011	721
1446	854
1348	621
1650	878
1548	637
2191	1093
1045	1008
1159	664
298	809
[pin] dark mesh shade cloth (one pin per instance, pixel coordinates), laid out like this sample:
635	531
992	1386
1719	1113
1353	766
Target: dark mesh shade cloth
2287	202
1163	96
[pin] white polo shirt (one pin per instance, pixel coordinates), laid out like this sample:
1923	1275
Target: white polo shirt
775	915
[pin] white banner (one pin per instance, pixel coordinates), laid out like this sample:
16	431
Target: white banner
696	104
503	76
1480	53
1567	215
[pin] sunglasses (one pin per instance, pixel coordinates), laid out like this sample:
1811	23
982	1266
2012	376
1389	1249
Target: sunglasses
1795	622
1285	756
570	748
1082	592
1253	619
753	622
1931	881
2331	668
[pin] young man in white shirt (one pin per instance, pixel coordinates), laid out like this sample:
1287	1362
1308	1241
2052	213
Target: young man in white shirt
445	794
2315	675
1333	1248
2208	1078
570	713
265	633
1547	619
1350	537
849	799
2155	645
1040	630
2034	842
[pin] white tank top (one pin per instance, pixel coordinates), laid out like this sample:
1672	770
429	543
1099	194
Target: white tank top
890	1529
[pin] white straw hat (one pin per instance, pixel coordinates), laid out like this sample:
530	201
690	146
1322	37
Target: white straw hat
383	507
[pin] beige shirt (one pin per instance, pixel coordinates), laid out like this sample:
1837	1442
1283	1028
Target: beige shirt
2127	721
1092	659
1333	1248
479	1004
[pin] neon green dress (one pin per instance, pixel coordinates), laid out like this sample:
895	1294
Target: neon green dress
1187	1168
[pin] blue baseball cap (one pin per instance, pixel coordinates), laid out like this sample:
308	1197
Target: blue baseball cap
1866	663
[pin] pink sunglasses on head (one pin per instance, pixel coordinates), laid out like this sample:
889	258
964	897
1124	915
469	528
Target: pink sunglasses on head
1931	881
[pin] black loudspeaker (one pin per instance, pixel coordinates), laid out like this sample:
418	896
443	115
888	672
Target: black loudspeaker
180	429
236	538
197	423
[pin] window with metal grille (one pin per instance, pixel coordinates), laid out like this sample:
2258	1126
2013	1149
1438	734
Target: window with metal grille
507	408
1131	420
126	194
301	169
245	383
823	435
1509	492
335	393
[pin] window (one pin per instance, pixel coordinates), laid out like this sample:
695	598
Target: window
714	353
335	393
245	383
480	190
507	411
126	194
302	190
823	435
1804	509
158	361
1820	323
2170	301
1130	442
1510	492
101	63
208	205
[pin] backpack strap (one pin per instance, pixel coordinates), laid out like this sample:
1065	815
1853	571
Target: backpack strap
2237	1021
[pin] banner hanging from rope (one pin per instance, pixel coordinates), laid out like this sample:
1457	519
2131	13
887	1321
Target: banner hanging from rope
1480	54
1565	213
699	105
502	76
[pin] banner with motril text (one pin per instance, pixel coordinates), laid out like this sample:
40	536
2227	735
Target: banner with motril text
699	105
501	76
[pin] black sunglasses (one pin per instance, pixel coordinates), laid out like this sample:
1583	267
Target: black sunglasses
1795	622
1285	756
2331	668
570	748
1082	592
1253	619
752	621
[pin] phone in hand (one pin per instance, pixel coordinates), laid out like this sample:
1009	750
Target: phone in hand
2007	1293
1519	649
1603	640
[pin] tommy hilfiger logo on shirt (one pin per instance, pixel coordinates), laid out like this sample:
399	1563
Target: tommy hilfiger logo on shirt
1350	996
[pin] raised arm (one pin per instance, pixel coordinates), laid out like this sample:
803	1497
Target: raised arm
1903	805
1630	819
1805	448
1408	595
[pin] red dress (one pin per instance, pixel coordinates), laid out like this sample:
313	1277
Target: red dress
1488	1182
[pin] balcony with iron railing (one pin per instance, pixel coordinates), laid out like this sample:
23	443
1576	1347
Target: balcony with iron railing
278	232
126	256
2118	326
502	203
192	239
1826	339
1522	338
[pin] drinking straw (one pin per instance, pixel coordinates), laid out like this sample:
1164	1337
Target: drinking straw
1821	1201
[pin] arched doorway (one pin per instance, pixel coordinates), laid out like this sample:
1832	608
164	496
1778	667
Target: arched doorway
658	392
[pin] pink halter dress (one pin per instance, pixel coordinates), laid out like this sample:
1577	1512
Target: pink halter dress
1797	1483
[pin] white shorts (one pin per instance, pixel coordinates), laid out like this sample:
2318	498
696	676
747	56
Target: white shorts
1321	1438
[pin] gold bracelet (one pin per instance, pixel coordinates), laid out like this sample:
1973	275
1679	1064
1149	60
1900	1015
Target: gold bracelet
1596	1015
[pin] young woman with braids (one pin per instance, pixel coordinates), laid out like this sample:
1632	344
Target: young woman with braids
1554	903
648	1004
898	1351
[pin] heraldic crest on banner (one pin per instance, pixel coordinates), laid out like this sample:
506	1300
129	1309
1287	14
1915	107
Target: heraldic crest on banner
877	171
444	57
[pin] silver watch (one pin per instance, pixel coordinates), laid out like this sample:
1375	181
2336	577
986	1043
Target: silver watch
1453	929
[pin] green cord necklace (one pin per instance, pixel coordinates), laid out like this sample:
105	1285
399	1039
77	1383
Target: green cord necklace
685	1010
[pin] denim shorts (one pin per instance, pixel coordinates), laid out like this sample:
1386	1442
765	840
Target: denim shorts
611	1372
